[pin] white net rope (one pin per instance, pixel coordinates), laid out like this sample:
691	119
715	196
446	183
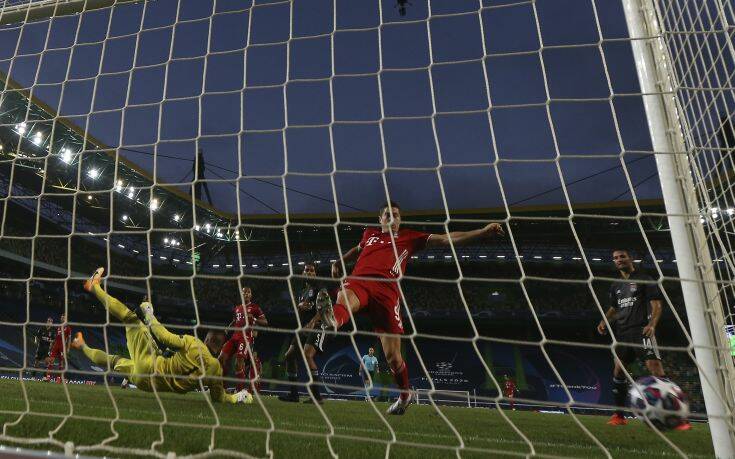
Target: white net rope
103	102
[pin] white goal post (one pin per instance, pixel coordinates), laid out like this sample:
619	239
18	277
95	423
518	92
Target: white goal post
667	125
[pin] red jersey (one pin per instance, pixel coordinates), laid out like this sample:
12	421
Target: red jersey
377	257
240	319
510	387
67	335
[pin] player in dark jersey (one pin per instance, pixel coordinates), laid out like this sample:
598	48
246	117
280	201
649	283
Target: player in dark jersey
242	340
311	309
634	313
44	338
381	258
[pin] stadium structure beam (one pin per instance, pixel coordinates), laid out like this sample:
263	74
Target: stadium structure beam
37	10
678	191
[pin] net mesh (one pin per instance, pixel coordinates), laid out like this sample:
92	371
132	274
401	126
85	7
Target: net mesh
193	148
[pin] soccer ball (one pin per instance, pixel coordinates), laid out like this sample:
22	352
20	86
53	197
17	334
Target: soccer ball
660	401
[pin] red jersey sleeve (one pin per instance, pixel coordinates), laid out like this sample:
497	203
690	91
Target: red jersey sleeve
418	240
257	312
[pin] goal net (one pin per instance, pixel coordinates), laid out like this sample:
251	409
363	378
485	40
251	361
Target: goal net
203	151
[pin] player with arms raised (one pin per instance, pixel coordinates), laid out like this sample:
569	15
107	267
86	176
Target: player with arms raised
633	322
189	367
381	258
59	349
243	317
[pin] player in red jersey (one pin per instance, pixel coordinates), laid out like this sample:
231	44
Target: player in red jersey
382	254
59	349
509	390
244	316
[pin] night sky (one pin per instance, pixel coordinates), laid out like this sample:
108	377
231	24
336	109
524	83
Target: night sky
349	105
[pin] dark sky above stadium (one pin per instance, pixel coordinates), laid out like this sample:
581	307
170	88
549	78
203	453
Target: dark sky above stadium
252	86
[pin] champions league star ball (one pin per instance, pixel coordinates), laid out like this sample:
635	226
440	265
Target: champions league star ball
659	401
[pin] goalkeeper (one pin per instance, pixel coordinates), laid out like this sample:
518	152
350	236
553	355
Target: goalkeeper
190	366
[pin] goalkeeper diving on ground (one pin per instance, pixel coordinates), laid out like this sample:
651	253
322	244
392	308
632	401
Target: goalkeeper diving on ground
189	366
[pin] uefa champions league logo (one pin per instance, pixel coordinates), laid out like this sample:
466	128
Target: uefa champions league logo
444	366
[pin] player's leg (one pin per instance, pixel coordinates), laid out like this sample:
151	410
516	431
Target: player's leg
292	371
652	357
310	351
51	360
225	355
623	357
112	304
349	300
242	358
255	369
101	358
392	349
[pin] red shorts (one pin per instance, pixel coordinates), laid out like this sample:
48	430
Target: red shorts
236	345
382	301
57	351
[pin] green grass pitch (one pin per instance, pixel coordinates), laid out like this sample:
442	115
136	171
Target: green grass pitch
301	431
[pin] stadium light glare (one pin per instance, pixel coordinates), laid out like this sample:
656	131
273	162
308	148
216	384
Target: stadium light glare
483	256
89	197
537	257
576	258
176	260
284	264
93	173
255	266
125	218
21	128
119	186
131	193
500	256
597	259
154	204
177	217
729	212
637	261
121	246
556	258
270	265
219	234
197	227
37	138
165	240
66	156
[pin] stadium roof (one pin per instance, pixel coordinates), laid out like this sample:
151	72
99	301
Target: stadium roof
427	158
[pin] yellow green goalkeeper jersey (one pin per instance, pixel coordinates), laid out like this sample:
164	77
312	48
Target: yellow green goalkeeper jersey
181	372
192	360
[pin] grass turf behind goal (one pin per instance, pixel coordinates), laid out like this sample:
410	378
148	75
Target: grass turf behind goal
296	430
